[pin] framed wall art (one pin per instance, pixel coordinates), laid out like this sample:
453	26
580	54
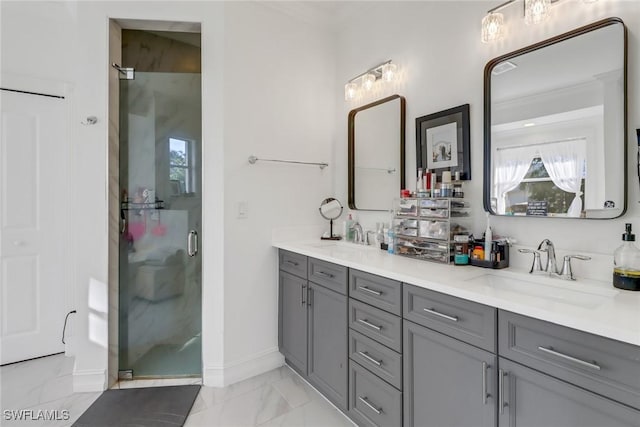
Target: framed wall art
442	142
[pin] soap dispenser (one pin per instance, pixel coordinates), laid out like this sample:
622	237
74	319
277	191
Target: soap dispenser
626	263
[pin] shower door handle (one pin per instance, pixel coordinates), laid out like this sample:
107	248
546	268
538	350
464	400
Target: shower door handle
192	243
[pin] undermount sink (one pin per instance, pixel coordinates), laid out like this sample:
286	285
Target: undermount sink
550	289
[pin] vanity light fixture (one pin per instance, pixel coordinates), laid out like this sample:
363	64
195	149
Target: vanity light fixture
493	23
536	11
387	71
368	80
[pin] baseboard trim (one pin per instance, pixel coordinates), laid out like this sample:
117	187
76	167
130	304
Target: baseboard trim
90	380
243	369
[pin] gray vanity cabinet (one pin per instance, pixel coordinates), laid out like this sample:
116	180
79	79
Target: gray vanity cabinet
447	382
313	323
554	375
292	319
532	399
450	365
328	357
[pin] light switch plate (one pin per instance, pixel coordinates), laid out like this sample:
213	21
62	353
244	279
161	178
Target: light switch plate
243	210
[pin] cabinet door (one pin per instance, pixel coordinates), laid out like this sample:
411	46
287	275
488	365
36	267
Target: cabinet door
533	399
328	343
293	321
447	383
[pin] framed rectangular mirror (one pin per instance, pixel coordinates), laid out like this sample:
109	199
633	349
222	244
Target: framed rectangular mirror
555	126
376	154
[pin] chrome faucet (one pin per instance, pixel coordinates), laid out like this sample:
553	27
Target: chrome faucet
359	237
551	267
547	246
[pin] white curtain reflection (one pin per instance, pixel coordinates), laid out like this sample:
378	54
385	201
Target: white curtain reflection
565	163
511	166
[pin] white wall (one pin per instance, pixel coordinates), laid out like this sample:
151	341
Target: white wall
437	44
279	75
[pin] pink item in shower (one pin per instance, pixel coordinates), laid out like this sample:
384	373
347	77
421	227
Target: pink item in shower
137	229
160	229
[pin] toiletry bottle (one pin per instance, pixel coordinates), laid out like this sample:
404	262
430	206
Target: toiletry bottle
488	237
349	229
427	181
419	185
626	263
392	241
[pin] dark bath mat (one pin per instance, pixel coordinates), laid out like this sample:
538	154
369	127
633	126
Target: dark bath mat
140	407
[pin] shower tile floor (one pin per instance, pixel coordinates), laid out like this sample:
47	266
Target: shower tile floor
276	398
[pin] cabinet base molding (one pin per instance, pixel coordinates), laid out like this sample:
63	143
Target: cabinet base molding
241	370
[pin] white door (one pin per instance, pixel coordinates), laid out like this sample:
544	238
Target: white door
34	166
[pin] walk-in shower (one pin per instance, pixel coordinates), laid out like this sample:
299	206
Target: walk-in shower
160	288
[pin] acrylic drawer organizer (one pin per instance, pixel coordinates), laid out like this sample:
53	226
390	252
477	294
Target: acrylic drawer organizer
424	227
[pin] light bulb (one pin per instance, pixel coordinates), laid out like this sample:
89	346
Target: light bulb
389	72
368	80
492	27
350	90
536	11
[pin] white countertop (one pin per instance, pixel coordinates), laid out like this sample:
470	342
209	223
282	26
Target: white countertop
588	305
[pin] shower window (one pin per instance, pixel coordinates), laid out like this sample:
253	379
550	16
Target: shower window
181	171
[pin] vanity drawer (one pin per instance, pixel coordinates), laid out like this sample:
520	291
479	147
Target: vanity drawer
329	275
379	325
375	290
293	263
467	321
382	361
604	366
373	402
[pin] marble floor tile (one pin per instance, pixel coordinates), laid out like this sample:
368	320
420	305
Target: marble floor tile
211	396
249	409
276	398
26	384
295	390
316	413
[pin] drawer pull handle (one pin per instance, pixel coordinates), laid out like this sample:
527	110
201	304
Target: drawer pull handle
570	358
371	291
373	408
295	264
502	403
329	275
369	358
444	316
369	324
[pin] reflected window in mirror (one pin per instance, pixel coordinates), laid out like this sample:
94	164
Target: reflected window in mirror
376	154
555	126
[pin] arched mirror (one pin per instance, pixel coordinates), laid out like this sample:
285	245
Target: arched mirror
376	154
555	126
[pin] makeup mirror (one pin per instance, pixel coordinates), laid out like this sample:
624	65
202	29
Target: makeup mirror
376	154
330	209
555	126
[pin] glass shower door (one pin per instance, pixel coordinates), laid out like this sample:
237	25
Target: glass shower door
160	184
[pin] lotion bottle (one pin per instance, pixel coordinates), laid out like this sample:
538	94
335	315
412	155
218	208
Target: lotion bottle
488	237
